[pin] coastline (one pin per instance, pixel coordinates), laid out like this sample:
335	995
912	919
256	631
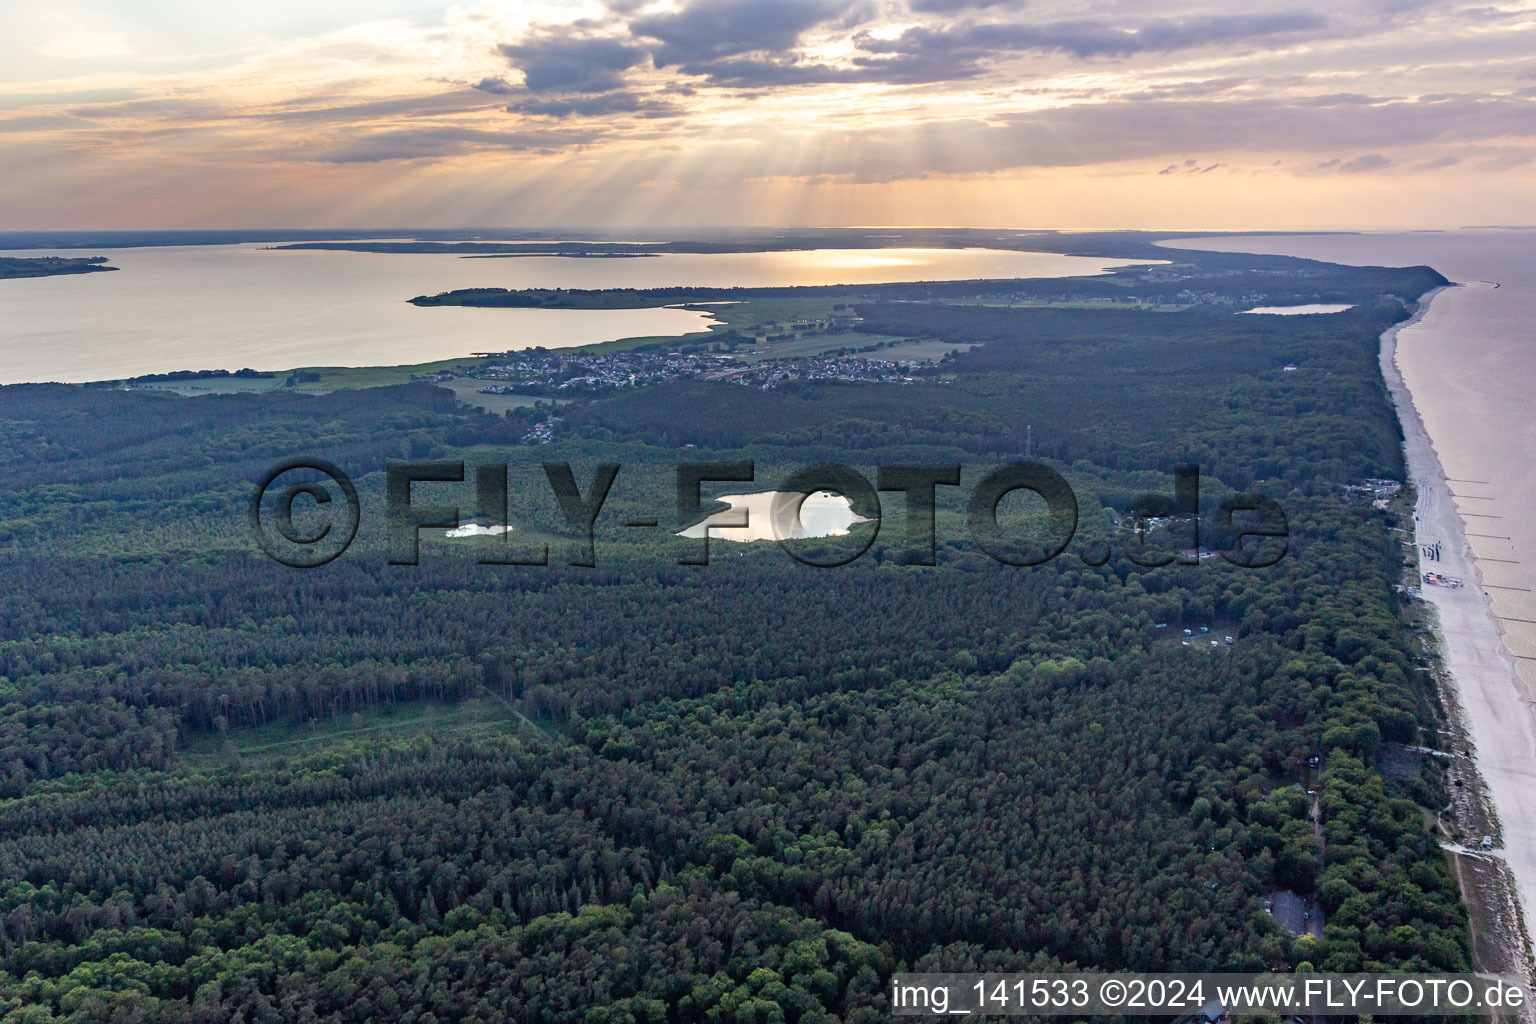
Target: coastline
1494	704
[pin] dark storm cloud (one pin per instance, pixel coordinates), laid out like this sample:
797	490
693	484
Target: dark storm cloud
566	63
711	29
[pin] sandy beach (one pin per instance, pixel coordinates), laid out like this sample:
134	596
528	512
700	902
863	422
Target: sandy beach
1497	704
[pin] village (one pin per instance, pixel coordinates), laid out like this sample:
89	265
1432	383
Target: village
570	375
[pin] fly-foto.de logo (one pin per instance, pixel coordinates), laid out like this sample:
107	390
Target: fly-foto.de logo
1254	526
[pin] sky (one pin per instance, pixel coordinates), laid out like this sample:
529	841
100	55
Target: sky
627	113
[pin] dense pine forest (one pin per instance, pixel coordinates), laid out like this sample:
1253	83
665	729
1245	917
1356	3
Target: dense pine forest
748	791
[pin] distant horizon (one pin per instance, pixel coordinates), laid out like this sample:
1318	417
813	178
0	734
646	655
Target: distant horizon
619	230
1276	115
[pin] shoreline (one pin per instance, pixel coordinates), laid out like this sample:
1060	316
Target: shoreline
1496	709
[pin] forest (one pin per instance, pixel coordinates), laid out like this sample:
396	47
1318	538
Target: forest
742	792
48	266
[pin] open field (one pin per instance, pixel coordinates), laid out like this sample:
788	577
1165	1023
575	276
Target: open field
919	351
334	378
467	390
815	345
262	746
1104	303
328	379
215	386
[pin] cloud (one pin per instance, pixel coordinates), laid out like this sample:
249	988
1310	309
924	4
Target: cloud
497	86
711	29
1365	164
956	6
1207	87
1190	167
165	110
553	61
1187	167
445	140
600	105
1118	131
10	101
1395	8
1438	163
1342	99
758	73
430	105
754	99
756	46
1505	161
1086	38
951	54
42	123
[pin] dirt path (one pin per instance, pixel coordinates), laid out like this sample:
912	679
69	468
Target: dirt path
518	712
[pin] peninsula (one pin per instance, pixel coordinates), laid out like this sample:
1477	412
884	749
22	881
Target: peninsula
50	266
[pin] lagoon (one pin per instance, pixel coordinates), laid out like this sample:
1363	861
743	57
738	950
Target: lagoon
227	307
751	518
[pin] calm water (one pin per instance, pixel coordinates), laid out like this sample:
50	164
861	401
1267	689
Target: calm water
823	514
1306	309
232	306
1471	366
